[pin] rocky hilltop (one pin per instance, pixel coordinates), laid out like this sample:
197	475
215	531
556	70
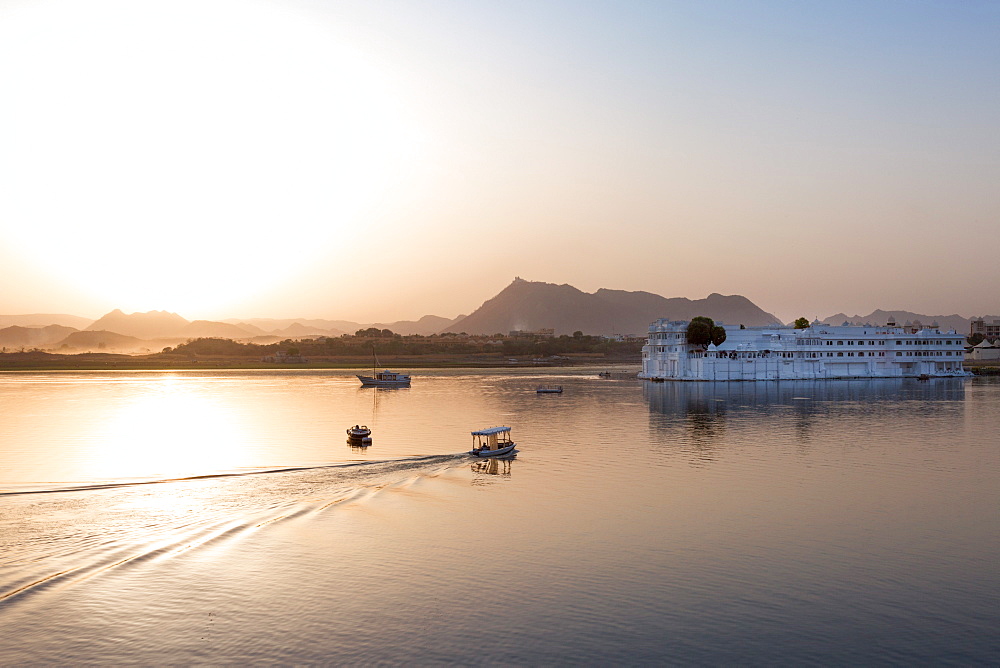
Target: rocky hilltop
530	305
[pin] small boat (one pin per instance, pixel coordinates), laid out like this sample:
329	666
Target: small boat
620	375
549	389
492	442
358	432
384	378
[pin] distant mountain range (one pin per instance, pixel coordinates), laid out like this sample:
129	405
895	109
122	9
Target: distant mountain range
879	317
292	327
154	330
140	325
43	320
104	341
16	336
530	305
522	305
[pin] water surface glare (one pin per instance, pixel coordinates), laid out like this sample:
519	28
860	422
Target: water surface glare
222	517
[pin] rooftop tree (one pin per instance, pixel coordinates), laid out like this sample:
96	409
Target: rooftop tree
702	331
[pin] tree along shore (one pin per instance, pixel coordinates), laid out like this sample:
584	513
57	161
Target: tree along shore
348	352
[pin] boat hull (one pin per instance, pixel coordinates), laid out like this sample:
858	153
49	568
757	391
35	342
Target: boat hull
499	452
368	381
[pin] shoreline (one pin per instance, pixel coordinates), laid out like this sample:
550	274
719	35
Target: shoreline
110	362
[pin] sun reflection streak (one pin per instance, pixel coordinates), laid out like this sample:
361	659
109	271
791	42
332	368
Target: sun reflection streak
170	431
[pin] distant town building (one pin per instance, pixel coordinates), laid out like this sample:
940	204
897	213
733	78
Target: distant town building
817	352
538	332
282	357
989	331
622	338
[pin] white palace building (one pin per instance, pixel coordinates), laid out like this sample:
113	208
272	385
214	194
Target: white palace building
819	351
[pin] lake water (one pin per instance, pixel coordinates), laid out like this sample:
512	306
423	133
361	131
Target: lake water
221	518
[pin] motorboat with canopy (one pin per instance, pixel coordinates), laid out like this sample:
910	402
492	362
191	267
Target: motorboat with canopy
492	442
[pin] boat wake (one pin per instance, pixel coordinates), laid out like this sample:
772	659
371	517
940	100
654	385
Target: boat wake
58	537
388	463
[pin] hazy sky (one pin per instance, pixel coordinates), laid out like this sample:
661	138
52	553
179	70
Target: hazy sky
378	160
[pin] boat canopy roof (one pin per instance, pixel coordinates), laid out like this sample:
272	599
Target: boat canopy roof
491	430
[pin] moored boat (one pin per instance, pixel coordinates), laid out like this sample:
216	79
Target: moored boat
385	378
359	432
359	436
492	442
550	389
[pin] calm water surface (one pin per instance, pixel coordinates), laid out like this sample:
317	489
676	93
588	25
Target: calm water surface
223	518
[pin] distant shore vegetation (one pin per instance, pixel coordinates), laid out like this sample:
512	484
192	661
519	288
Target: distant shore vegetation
386	342
350	350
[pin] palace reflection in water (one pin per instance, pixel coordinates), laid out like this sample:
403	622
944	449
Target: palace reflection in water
705	412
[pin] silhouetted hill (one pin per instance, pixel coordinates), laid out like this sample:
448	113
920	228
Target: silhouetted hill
298	330
528	305
425	326
211	329
311	326
102	341
37	320
291	328
33	337
879	317
253	329
149	325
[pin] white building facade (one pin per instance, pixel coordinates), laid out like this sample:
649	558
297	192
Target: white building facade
819	351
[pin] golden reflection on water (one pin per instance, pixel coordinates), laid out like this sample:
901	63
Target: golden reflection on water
92	428
65	430
169	430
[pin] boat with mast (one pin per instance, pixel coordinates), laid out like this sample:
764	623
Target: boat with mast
385	377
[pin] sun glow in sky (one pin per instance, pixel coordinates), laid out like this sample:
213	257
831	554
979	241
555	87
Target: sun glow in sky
379	161
186	155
